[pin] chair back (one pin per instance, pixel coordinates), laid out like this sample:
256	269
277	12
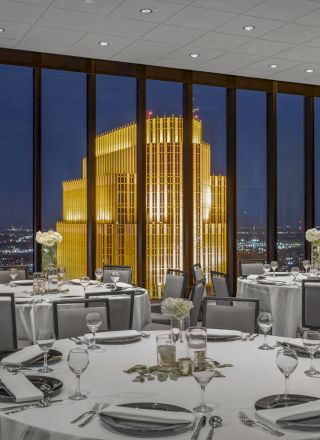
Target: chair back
69	316
8	332
197	272
5	274
251	267
311	304
196	297
219	284
175	284
120	308
125	273
242	315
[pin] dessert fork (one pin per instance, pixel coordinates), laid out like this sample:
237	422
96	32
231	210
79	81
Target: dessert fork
245	420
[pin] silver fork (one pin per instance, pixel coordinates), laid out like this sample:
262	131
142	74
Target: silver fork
245	420
88	420
246	338
92	410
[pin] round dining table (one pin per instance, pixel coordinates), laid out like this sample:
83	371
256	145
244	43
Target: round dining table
35	311
254	375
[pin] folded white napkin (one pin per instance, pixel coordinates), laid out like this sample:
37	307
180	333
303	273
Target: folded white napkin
124	285
272	282
109	336
22	356
294	342
24	282
77	281
22	295
217	332
148	415
20	387
289	413
252	277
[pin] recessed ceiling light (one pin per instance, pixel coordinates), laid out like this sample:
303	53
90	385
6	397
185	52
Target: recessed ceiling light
249	28
104	43
145	11
273	66
88	1
309	70
194	55
1	29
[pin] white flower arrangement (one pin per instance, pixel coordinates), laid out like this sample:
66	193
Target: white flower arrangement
49	238
176	307
313	236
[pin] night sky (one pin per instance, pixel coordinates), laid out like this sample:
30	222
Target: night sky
64	139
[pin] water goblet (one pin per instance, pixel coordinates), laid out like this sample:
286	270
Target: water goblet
295	273
78	361
313	271
203	372
287	361
115	278
45	341
84	281
266	268
197	342
265	321
306	265
311	342
99	274
274	267
94	322
13	272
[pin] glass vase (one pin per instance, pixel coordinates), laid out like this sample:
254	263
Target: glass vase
48	258
315	254
178	335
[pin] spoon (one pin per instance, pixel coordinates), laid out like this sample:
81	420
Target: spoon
214	422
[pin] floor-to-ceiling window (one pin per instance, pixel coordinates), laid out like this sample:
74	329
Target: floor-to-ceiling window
16	176
64	169
251	175
290	161
209	178
317	161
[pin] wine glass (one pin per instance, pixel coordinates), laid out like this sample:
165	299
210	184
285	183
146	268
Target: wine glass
295	273
306	264
311	342
84	281
274	266
78	361
115	278
266	268
13	272
287	361
45	341
93	321
99	274
265	321
61	273
203	372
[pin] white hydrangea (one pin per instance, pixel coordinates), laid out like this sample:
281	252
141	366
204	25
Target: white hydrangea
49	238
313	235
176	307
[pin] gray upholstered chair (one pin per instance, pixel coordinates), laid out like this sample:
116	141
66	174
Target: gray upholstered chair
120	308
197	272
219	284
241	315
8	332
69	316
196	297
5	274
311	304
251	267
125	273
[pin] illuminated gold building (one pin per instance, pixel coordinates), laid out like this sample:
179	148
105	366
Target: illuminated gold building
116	204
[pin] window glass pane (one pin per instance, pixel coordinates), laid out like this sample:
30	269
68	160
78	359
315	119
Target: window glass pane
251	176
164	182
16	176
116	167
64	181
317	160
209	182
290	144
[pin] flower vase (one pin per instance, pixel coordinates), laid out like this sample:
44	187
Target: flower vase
178	335
315	254
48	258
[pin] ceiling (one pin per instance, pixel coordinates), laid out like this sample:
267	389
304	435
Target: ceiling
287	33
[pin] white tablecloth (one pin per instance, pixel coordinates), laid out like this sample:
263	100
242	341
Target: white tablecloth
31	317
284	302
254	375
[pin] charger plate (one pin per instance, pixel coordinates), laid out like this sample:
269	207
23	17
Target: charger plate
277	401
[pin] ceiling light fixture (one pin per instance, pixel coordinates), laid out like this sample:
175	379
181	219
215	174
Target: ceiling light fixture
88	1
145	11
309	70
273	66
104	43
194	55
1	29
249	28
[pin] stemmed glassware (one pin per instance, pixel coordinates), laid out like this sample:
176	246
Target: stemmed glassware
45	341
78	361
266	268
13	272
287	361
94	322
203	372
274	266
197	342
115	278
313	271
311	342
306	265
265	322
295	273
84	281
99	274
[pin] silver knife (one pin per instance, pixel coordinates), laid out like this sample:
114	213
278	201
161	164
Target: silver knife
25	405
200	425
